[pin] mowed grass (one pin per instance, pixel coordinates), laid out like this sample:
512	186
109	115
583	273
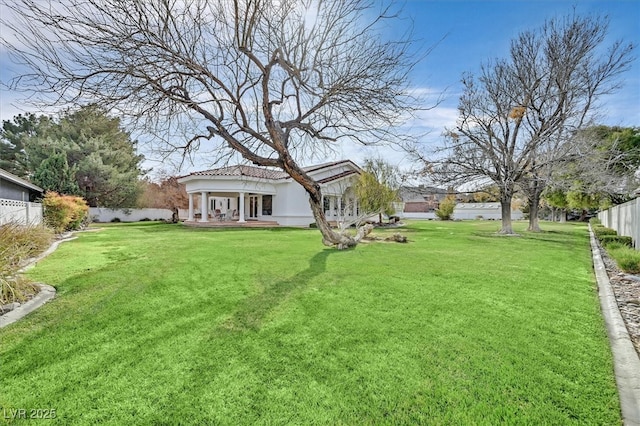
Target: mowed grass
161	324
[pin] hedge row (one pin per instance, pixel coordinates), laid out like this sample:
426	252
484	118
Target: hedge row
619	247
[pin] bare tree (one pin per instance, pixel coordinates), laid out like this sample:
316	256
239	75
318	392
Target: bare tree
515	118
272	80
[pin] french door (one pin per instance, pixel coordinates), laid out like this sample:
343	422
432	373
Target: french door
253	206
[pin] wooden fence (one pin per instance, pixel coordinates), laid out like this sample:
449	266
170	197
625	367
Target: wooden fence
625	219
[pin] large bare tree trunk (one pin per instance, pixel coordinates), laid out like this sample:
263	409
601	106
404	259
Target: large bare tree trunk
331	238
507	227
534	208
506	196
534	223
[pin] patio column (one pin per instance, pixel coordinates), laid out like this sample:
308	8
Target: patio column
241	208
203	208
190	207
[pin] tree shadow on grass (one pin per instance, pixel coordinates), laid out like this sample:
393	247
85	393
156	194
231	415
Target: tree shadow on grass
255	309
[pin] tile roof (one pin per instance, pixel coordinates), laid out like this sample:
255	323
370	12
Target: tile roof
273	174
242	170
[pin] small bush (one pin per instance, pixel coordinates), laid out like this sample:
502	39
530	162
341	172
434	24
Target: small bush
445	210
607	240
313	225
64	212
628	259
145	219
116	220
594	221
614	245
601	231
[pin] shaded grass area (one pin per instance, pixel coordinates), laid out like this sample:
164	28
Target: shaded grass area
160	324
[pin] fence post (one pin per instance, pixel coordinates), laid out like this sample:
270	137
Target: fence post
636	223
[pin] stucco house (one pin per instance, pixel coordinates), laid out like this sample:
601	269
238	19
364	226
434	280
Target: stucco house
244	193
16	200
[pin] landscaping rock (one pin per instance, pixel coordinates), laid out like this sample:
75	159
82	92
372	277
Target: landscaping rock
626	288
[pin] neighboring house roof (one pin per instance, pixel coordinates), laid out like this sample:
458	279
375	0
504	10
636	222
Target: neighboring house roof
19	181
419	193
275	174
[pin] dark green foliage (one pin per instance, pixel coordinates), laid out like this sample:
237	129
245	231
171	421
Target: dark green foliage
13	136
605	240
54	174
101	156
600	231
595	221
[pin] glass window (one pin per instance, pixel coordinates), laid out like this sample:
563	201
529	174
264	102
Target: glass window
326	204
267	203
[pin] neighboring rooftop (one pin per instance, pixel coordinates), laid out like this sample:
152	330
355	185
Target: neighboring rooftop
19	181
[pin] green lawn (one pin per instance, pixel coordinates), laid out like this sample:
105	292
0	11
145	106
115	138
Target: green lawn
161	324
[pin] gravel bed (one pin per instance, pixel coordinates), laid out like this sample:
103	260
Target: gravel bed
626	288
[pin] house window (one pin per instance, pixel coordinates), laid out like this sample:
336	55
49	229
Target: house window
326	205
267	203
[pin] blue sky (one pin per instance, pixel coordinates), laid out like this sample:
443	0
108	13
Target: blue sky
474	31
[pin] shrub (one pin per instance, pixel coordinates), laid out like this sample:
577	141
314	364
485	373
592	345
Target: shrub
313	225
594	221
445	210
614	245
601	231
17	244
115	220
607	240
64	212
628	259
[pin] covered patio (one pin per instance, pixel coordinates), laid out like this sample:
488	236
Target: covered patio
244	195
230	208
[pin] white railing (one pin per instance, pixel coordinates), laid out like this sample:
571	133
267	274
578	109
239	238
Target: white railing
625	219
22	212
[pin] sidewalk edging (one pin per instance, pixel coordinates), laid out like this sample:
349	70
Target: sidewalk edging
45	294
626	364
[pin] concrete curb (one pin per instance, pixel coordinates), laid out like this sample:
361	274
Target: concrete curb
47	252
626	364
46	293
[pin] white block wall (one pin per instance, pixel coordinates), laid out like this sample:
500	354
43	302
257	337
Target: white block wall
100	214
